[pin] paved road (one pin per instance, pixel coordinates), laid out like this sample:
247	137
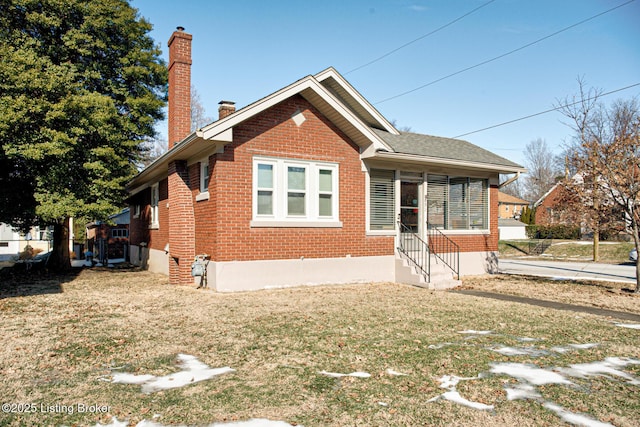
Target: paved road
570	270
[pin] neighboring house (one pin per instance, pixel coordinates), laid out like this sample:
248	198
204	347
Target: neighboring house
552	209
12	242
548	207
305	186
110	240
510	206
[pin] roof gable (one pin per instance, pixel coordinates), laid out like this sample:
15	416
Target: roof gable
353	120
508	198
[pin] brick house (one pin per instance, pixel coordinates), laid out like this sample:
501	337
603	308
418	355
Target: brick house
547	212
305	186
510	206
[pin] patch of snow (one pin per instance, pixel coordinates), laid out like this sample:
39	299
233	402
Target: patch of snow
450	382
520	351
193	371
439	346
521	391
395	373
573	418
570	347
352	374
383	404
125	378
583	346
629	325
455	397
472	332
606	368
528	373
527	339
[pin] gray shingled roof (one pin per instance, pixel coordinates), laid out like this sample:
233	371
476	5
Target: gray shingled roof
440	147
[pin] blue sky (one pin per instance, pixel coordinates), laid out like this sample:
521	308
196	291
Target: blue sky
244	50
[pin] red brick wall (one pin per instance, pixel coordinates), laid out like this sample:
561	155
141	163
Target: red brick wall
139	228
179	117
181	223
543	216
205	211
273	133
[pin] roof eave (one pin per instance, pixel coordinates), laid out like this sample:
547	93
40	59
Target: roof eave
428	160
157	170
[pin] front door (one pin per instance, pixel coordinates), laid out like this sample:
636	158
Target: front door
410	205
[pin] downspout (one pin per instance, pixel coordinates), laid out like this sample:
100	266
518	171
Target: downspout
510	180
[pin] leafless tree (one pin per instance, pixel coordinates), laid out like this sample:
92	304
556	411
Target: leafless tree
153	148
156	147
198	114
606	155
515	188
542	170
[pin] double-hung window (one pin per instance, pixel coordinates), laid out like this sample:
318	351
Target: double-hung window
288	192
204	181
155	201
204	176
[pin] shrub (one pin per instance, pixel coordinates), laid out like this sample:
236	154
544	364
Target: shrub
558	231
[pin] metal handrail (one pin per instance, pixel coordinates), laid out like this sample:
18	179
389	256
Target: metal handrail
445	249
542	244
415	249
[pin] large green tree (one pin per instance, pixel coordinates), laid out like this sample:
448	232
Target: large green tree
81	87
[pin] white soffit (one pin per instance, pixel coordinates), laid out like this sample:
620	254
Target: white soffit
341	88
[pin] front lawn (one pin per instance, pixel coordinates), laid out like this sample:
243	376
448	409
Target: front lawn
417	357
568	250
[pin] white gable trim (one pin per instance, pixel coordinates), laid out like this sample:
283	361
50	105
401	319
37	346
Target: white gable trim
332	73
220	127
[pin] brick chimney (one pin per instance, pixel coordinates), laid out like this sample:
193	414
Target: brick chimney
225	109
179	86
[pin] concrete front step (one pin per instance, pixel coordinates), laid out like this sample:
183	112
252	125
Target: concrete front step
441	276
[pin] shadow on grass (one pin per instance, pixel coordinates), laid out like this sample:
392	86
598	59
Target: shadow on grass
516	247
17	281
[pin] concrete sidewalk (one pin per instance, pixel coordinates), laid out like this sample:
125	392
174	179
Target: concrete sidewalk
621	315
625	273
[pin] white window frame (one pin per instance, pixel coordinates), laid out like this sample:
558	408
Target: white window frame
469	228
280	216
204	180
154	221
395	203
119	233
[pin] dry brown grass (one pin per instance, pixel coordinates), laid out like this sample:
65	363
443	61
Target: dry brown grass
64	336
609	295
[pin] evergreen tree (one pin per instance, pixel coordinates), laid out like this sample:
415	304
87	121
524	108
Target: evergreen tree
81	86
528	215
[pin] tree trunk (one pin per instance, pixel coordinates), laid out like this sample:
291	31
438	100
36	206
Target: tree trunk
636	240
637	289
59	259
596	245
